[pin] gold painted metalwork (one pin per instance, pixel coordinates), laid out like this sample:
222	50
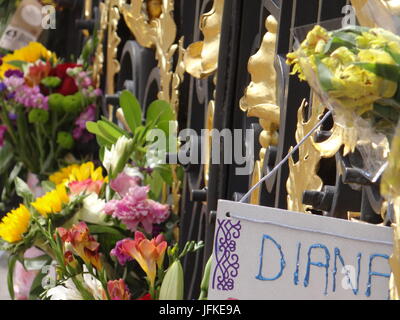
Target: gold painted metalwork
159	33
260	99
113	65
303	174
208	140
154	9
201	58
99	55
255	178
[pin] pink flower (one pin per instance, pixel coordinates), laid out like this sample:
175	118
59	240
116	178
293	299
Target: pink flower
119	252
23	279
3	130
31	97
13	83
89	186
135	208
34	184
118	290
123	183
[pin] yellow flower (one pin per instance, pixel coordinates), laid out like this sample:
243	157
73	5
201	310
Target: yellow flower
77	173
15	224
52	202
30	53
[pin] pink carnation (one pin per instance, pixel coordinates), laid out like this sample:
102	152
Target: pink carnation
135	208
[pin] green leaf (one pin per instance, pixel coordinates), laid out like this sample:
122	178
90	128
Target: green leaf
37	286
102	139
48	186
18	63
159	111
336	42
108	131
115	127
23	190
386	71
15	172
165	172
12	260
131	109
324	75
156	184
6	156
97	229
394	55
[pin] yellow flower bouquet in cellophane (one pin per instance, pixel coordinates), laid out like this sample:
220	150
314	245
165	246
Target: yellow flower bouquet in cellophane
356	72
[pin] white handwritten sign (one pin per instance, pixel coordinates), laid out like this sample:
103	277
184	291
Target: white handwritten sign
267	253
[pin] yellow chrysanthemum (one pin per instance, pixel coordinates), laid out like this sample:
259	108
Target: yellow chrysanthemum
15	224
52	202
77	173
30	53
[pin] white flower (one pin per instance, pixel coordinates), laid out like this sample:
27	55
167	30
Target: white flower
65	291
68	291
92	210
133	172
118	150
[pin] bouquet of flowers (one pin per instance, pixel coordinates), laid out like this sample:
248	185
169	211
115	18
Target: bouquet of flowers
45	104
356	72
100	237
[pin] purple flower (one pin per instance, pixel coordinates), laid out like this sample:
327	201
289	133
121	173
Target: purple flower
14	73
120	253
31	97
2	87
3	130
12	116
80	132
135	208
13	83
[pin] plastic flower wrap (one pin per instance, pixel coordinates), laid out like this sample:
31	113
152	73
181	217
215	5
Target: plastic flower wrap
355	71
378	13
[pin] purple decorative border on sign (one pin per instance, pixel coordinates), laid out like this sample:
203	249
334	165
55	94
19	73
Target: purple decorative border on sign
227	261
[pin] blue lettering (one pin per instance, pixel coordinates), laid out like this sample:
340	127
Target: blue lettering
373	273
296	273
338	255
283	263
317	264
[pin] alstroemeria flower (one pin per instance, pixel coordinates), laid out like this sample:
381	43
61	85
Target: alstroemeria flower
88	186
84	245
37	72
147	253
118	290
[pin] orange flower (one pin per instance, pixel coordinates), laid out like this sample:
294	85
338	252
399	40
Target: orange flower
118	290
88	186
84	245
147	253
37	72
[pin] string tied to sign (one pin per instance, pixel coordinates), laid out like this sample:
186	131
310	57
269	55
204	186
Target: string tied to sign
284	160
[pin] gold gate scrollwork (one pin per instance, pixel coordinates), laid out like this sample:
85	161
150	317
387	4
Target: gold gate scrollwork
260	99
